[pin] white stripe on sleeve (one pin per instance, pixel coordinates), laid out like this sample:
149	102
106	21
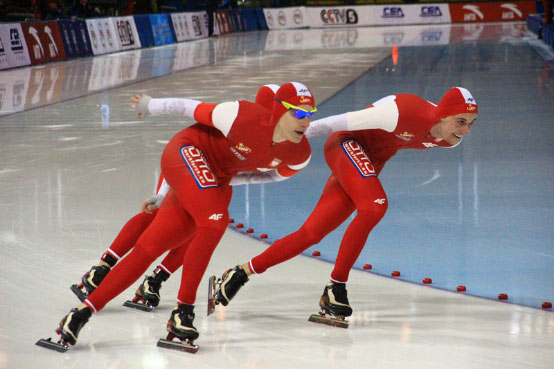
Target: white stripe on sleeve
383	116
164	188
224	115
301	165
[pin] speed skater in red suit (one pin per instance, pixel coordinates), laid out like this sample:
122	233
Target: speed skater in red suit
198	164
358	146
149	290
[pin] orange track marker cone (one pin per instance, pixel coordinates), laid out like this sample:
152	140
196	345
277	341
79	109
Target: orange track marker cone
394	55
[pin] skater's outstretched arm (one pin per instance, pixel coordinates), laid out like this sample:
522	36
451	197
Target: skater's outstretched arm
146	106
382	114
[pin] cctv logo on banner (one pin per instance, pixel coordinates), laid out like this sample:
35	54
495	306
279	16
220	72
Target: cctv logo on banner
44	41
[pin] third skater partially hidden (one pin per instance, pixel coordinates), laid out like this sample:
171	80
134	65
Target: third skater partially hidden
356	152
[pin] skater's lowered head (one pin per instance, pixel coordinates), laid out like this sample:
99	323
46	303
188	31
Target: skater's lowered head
293	107
455	115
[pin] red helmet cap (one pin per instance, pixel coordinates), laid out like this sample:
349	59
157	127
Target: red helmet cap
457	100
294	93
265	96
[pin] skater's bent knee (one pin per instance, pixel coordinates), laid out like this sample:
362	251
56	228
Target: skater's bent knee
146	252
311	236
372	215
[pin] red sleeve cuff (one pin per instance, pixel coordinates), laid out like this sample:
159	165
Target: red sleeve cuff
286	171
203	113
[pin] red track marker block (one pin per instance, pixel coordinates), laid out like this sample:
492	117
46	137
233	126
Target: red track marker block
316	253
231	220
250	230
395	273
427	281
503	296
240	225
461	288
263	235
547	305
368	266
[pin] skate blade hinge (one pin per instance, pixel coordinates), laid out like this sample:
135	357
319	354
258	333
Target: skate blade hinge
138	305
81	295
56	346
186	346
327	320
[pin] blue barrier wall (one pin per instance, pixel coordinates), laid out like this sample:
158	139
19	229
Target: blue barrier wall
144	30
83	40
161	29
261	19
548	34
69	38
249	19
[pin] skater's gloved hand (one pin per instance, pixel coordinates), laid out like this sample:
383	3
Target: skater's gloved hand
140	103
152	203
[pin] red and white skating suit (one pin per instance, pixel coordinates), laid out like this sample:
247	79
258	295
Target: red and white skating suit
356	155
134	227
198	163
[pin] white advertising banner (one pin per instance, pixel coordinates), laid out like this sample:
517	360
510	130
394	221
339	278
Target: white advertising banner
286	18
97	38
190	25
127	35
4	64
377	15
102	36
410	14
14	48
180	25
339	16
110	32
433	13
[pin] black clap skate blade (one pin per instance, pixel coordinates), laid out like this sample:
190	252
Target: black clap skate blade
77	291
318	318
138	305
211	295
56	346
179	346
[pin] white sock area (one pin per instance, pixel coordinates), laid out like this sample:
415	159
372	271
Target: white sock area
251	267
161	266
109	251
90	305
